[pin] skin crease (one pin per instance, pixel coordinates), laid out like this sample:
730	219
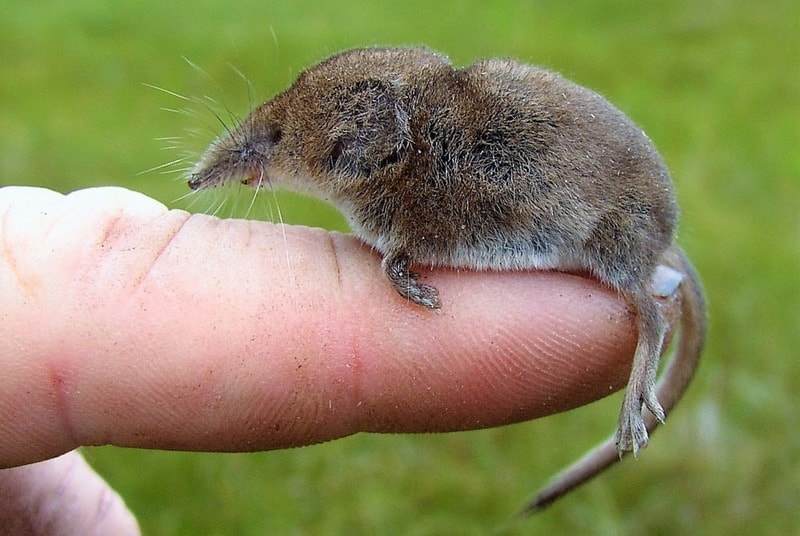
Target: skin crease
495	166
127	324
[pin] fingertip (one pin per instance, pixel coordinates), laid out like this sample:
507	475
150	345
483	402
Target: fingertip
115	197
102	197
504	348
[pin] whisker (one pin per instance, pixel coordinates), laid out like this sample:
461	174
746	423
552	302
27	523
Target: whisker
219	206
248	84
197	68
188	112
167	91
221	122
184	196
162	166
283	233
274	39
256	190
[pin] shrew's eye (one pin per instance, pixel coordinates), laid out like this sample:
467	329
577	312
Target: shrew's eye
275	135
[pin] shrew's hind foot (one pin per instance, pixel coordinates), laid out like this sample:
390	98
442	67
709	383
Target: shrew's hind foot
632	430
641	391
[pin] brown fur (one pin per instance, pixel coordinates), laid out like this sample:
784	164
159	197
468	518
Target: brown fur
498	165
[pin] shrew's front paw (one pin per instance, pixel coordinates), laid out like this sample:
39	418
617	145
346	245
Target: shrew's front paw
424	295
405	281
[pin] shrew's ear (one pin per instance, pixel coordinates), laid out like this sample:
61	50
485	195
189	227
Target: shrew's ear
372	130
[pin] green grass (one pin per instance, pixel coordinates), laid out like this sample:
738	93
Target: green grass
716	86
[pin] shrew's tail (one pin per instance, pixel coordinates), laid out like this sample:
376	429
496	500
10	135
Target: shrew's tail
671	386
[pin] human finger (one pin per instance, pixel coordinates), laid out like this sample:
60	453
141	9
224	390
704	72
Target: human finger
125	323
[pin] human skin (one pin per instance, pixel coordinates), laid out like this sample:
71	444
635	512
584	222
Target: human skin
125	323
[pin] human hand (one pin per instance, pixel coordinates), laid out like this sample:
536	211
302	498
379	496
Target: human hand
124	323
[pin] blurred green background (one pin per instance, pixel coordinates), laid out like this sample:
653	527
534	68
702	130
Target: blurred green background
716	86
